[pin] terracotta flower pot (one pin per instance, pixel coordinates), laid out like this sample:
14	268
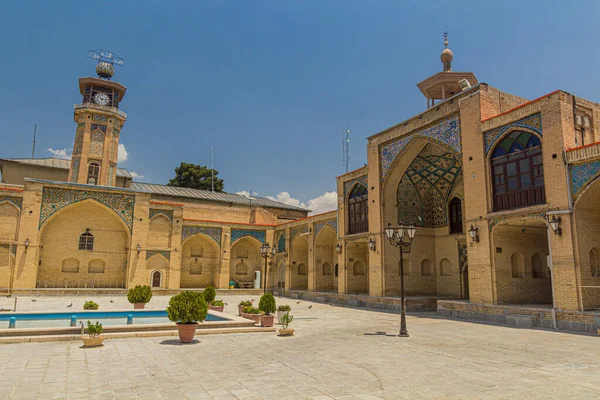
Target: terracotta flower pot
253	317
240	310
139	306
186	332
217	308
92	342
285	332
267	320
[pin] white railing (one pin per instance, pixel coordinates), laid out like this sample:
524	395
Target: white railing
92	106
582	153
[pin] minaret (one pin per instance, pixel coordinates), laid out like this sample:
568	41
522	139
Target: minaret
99	123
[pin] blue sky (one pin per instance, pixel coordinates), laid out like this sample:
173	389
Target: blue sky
271	85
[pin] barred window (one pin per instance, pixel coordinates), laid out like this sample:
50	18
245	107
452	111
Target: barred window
86	241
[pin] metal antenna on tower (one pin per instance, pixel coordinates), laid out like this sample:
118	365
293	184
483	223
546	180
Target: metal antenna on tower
33	147
212	168
346	149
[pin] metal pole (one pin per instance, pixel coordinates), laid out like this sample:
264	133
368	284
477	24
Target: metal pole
403	331
34	136
265	285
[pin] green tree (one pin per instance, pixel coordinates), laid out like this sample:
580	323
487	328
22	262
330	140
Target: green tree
196	177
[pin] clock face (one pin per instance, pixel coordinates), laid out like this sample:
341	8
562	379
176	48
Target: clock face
101	98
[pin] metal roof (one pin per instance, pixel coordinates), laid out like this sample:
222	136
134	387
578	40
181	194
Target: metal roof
221	197
57	163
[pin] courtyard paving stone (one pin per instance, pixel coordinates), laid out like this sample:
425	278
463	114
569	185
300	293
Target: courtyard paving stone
337	353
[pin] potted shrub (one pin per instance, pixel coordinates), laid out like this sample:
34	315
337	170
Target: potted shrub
139	296
217	305
242	305
268	306
286	321
187	309
90	305
252	313
93	339
281	310
209	294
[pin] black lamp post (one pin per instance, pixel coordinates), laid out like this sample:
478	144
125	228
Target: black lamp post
266	252
401	237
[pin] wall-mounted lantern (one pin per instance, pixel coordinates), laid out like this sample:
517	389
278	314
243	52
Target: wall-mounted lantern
555	225
473	232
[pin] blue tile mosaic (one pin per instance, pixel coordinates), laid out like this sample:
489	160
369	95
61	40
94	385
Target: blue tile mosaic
582	175
445	132
189	231
55	199
349	184
321	225
297	230
167	213
236	234
165	253
533	122
17	201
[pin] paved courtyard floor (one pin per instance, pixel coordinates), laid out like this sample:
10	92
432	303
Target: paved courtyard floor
337	353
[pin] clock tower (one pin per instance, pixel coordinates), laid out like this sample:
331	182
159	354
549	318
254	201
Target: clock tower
99	124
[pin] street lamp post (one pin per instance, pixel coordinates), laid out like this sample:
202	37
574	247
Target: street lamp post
267	252
401	237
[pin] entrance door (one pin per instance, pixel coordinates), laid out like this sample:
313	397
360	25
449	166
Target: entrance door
156	279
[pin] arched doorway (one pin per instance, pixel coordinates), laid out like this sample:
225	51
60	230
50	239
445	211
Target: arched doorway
159	266
245	259
357	267
281	275
87	234
299	263
326	257
199	262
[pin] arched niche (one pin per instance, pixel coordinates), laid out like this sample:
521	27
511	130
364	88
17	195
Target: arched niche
200	261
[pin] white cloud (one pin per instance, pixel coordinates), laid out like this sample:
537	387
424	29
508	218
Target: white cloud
323	203
123	155
135	175
246	193
60	153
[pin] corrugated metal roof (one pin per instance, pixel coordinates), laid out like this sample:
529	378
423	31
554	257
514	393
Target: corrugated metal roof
57	163
207	195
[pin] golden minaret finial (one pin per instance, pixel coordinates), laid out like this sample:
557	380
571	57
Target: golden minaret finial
447	55
446	39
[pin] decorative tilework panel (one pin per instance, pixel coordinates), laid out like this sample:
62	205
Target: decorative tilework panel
321	225
424	187
113	150
97	144
189	231
280	237
55	199
97	127
100	118
238	233
75	170
582	175
445	132
111	172
496	221
17	201
533	122
295	231
167	213
349	184
116	133
165	253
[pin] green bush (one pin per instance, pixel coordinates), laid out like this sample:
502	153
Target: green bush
90	305
94	330
267	303
139	294
286	320
217	303
251	310
209	294
187	308
245	303
284	307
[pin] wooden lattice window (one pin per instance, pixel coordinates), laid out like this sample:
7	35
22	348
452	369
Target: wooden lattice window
93	173
518	173
358	209
86	241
